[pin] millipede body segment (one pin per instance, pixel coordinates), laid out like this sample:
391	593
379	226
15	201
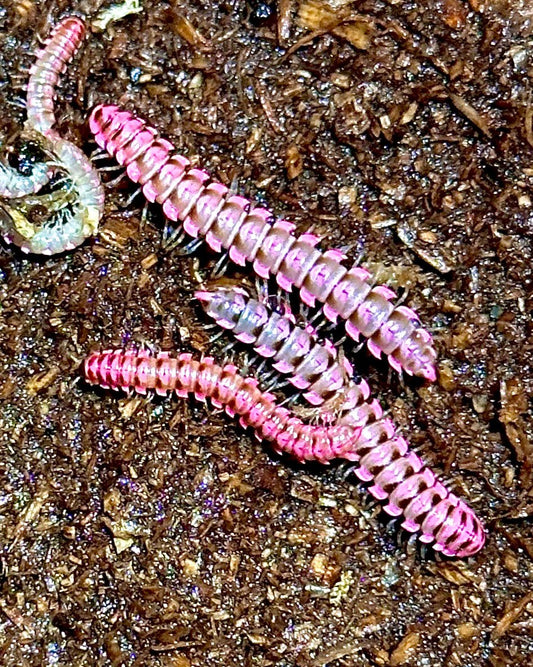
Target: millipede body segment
54	202
30	171
397	476
249	233
313	366
51	62
238	395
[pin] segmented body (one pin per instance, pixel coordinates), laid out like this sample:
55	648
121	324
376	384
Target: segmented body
250	234
409	489
312	365
226	389
399	477
66	215
16	183
59	202
51	62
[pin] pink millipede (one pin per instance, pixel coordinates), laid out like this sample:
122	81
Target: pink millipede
250	234
238	395
400	477
312	366
51	62
71	210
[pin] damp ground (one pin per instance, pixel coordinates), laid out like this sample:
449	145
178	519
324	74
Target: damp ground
157	532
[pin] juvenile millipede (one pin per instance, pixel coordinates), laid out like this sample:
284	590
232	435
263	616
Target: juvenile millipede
51	62
69	210
251	234
65	226
400	478
238	395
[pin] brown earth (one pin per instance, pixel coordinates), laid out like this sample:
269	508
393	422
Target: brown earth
137	532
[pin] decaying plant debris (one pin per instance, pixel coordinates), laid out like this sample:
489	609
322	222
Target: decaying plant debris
138	532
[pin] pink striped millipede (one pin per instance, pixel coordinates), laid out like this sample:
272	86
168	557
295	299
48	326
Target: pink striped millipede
250	234
312	366
73	205
400	478
117	369
51	61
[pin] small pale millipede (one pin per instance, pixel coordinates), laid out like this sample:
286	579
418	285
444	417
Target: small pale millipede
64	212
399	477
51	61
251	234
52	196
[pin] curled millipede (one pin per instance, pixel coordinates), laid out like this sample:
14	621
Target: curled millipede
66	215
23	171
249	233
238	395
53	198
400	477
51	62
21	180
312	365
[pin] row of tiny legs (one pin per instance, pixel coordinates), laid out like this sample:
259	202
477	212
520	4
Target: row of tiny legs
51	198
351	424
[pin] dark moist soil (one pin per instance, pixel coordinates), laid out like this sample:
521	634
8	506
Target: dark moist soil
157	532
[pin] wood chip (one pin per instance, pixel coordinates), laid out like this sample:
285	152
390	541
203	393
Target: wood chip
149	261
426	244
469	112
510	616
405	649
284	21
294	162
342	21
186	30
41	381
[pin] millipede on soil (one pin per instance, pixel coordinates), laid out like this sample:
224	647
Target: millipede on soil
313	366
399	477
53	195
251	234
51	62
67	214
226	389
